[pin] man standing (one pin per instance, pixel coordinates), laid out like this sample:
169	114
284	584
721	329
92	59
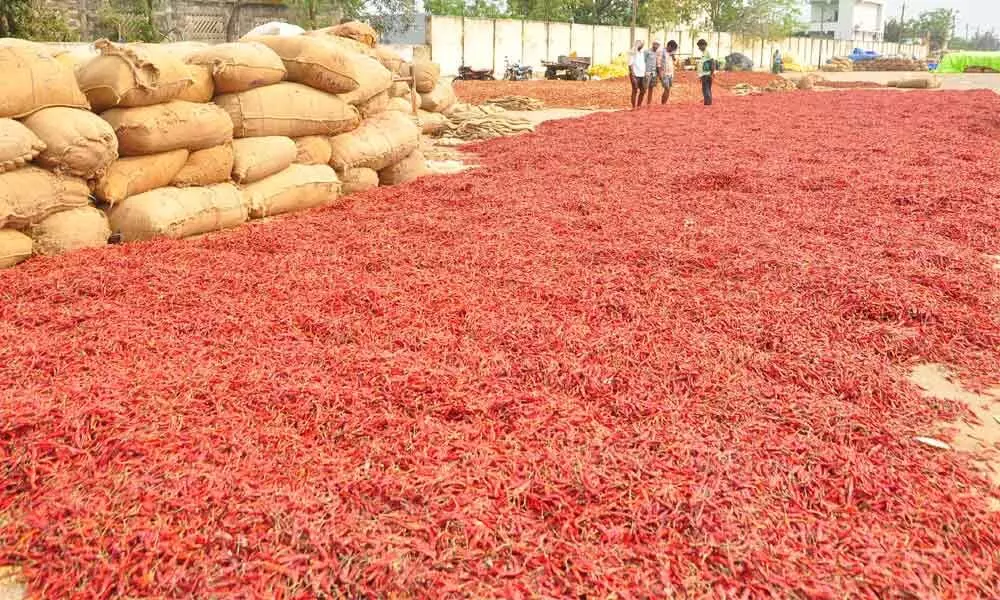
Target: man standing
706	70
637	74
652	56
665	69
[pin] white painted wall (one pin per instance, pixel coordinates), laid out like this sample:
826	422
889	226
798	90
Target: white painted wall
483	43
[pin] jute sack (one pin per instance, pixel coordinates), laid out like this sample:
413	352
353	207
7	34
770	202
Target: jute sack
73	56
400	105
178	212
203	88
355	30
183	50
312	150
430	123
288	109
343	43
379	142
32	79
77	141
30	194
73	229
131	75
399	89
296	188
240	66
389	59
14	247
440	99
205	167
374	105
426	74
257	158
357	180
408	169
176	124
130	176
315	62
374	80
18	145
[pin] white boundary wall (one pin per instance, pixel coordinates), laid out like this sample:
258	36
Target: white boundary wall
484	43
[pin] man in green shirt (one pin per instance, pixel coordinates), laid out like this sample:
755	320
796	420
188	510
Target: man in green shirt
706	70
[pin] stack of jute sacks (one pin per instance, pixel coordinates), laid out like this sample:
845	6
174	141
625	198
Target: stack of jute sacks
186	138
51	145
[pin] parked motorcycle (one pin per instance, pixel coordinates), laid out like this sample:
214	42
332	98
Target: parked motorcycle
470	74
515	71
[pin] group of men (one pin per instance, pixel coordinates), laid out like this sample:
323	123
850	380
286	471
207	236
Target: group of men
647	68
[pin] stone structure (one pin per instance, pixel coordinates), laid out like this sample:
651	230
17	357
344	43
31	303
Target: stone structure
191	20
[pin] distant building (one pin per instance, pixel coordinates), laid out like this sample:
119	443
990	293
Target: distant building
848	19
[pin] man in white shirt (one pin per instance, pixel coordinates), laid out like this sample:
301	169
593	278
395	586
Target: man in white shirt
637	73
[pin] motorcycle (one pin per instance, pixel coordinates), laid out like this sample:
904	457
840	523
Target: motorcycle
470	74
515	71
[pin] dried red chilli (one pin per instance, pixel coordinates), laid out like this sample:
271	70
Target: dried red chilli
648	354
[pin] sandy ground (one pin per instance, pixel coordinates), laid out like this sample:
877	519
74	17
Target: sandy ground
980	438
966	81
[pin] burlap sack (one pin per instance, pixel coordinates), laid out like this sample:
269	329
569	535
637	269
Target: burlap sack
178	212
430	123
380	141
357	180
357	31
399	89
32	79
375	79
296	188
257	158
240	66
288	109
30	194
374	105
73	229
312	150
73	56
315	62
130	176
203	88
183	50
129	75
18	145
346	44
176	124
78	142
440	99
389	59
206	167
408	169
402	105
426	74
14	247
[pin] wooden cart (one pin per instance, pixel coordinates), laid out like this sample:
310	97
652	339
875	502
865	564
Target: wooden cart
570	68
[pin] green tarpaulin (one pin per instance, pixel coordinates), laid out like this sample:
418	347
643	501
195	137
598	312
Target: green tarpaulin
956	62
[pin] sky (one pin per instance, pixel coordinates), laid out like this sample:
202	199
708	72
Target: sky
982	13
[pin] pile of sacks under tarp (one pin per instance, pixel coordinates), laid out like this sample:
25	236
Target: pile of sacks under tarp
135	141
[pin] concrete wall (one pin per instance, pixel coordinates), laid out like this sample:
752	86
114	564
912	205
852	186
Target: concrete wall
483	43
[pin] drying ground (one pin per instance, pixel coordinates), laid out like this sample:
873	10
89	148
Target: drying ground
612	93
635	354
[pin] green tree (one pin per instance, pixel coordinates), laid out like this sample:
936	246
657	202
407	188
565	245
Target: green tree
129	20
33	20
758	18
660	14
487	9
935	25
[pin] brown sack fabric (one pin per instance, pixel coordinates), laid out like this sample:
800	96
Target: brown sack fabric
14	247
130	176
357	180
380	141
312	150
257	158
18	145
77	141
176	124
288	109
74	229
408	169
30	194
178	212
296	188
315	62
32	79
131	75
240	66
205	167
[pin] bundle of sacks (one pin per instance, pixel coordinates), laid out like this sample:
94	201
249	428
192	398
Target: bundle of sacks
175	140
51	146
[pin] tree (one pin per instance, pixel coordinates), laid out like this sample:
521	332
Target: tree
663	14
895	31
758	18
985	42
33	20
936	25
488	9
129	20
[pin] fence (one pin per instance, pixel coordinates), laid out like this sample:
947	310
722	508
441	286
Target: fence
484	43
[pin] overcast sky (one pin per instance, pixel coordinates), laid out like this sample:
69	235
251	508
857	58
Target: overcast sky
982	13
